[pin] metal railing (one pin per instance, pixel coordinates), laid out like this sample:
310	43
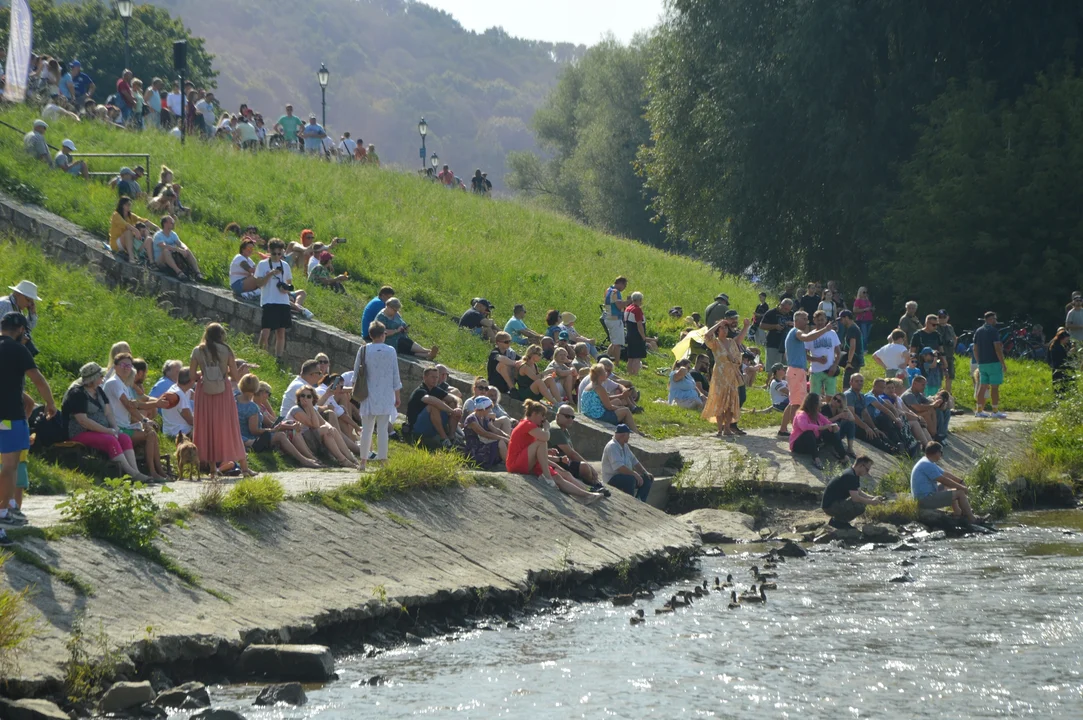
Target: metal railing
109	173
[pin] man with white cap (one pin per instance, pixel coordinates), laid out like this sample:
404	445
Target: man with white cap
63	161
621	469
34	142
23	298
127	182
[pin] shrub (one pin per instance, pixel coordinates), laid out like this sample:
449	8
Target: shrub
896	479
986	495
253	495
91	663
899	511
413	469
117	512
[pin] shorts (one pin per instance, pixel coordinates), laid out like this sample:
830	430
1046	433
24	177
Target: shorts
990	374
571	466
797	382
615	326
939	499
14	436
423	427
781	406
276	316
824	384
477	331
607	416
237	286
130	432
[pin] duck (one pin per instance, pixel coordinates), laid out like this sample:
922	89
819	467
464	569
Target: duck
770	566
768	586
686	596
662	610
698	591
752	597
734	605
729	581
704	585
637	618
760	577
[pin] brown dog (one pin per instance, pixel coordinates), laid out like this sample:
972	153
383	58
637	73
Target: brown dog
187	457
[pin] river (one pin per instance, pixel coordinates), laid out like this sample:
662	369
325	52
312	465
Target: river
991	627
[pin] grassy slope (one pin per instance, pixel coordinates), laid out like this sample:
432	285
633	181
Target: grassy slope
438	248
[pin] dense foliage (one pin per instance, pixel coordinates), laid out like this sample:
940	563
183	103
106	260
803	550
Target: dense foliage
593	125
92	32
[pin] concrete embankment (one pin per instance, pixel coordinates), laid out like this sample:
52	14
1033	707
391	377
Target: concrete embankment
305	573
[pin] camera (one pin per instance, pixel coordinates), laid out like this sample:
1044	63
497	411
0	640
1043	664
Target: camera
284	287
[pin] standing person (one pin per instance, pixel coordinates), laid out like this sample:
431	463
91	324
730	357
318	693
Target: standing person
1073	322
824	353
613	315
373	308
217	431
714	312
1059	349
635	333
810	301
723	404
853	346
275	280
622	470
910	323
384	387
844	500
777	322
313	134
289	125
894	356
863	314
797	365
927	337
82	83
758	336
948	340
989	355
152	98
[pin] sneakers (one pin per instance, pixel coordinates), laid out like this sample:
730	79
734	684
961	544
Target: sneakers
17	513
1000	416
12	520
840	525
446	444
306	313
982	414
5	541
599	488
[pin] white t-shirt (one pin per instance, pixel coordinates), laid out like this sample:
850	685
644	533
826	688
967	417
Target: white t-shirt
823	346
312	262
347	378
894	356
289	398
348	146
206	109
52	111
777	396
269	293
173	102
172	420
114	389
331	402
235	271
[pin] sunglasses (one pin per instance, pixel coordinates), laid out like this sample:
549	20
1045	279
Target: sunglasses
325	362
565	415
306	395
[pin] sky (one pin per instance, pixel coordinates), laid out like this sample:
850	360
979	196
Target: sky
575	21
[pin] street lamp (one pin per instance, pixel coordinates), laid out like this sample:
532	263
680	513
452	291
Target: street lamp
434	160
323	76
125	7
423	130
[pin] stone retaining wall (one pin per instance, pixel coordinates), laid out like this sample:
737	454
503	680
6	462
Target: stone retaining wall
72	245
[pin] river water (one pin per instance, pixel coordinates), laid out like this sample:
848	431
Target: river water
991	627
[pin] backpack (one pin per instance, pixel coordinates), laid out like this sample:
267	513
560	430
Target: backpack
47	432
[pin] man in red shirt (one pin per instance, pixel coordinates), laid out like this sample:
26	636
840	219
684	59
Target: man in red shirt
124	92
446	176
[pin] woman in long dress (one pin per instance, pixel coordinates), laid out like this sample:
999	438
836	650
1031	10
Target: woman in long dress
384	385
217	429
724	402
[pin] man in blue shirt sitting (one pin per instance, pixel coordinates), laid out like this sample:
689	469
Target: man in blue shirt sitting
373	308
934	487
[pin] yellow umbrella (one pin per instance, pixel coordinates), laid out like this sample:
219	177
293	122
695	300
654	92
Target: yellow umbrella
682	349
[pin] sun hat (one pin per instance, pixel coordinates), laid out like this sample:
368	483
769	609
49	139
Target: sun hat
68	144
88	372
26	289
722	296
483	402
567	317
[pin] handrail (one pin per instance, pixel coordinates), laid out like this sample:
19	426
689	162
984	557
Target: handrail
145	156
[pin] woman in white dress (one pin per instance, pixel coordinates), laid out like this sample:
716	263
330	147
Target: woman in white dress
383	384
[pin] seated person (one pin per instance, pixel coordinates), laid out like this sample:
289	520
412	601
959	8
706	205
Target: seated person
916	402
128	411
165	179
701	373
396	334
178	419
443	374
516	327
168	250
548	345
682	388
501	368
64	161
486	444
258	436
935	488
170	374
596	402
581	361
565	454
130	234
567	324
873	423
91	422
58	107
127	182
552	325
838	411
812	432
477	319
166	202
498	411
621	392
480	389
914	425
621	469
432	413
560	369
533	384
242	271
528	454
313	425
322	276
844	500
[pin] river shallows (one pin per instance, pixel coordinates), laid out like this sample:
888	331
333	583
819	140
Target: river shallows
991	627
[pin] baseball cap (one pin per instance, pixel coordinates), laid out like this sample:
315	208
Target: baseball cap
126	171
484	302
926	350
562	335
731	313
76	63
41	124
846	313
622	429
15	320
941	313
325	256
776	367
68	144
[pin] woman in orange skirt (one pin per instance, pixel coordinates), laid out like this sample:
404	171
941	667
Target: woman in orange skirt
217	430
723	402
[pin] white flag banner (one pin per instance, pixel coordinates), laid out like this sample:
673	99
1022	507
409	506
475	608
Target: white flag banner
20	41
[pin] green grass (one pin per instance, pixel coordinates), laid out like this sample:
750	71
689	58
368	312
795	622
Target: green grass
76	583
48	478
413	469
252	496
1055	440
899	511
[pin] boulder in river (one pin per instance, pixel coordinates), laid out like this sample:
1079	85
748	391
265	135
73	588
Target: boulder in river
189	696
217	714
31	709
880	532
301	663
125	695
792	550
904	547
289	693
722	526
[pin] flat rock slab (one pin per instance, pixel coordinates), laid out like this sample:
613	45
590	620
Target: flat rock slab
30	710
722	526
301	663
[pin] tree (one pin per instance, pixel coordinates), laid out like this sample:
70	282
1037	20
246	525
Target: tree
592	123
93	33
989	212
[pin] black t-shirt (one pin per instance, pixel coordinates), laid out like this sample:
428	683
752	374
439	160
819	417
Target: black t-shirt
853	333
471	319
922	339
774	316
494	376
416	405
809	303
839	488
15	362
701	379
761	310
985	339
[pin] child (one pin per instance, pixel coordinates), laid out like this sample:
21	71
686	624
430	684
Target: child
779	389
912	369
932	366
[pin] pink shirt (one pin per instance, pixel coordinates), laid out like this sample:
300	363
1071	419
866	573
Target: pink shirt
802	422
861	312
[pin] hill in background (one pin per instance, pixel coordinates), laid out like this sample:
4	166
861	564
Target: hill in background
391	62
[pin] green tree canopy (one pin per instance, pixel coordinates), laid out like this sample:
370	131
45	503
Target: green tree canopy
93	33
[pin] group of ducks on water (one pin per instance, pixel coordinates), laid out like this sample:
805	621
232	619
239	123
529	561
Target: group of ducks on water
755	595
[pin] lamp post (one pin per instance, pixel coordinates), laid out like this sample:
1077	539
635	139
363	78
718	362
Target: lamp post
323	76
434	160
125	7
423	130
